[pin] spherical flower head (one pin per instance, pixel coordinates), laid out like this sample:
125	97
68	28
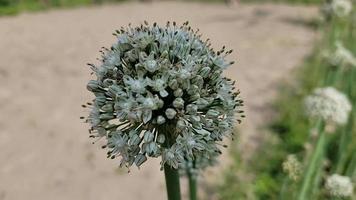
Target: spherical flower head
341	57
329	105
339	186
292	167
341	8
160	92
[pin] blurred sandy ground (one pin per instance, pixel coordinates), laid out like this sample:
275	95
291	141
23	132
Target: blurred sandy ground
45	152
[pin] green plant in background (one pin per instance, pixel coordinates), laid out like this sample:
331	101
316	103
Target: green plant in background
160	92
322	148
331	108
292	167
9	7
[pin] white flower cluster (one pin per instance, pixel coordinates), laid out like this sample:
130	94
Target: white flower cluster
161	92
292	167
340	8
339	186
328	104
341	57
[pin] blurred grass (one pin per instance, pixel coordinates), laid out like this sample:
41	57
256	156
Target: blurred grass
12	7
290	131
307	2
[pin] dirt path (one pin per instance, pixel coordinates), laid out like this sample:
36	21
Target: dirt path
45	152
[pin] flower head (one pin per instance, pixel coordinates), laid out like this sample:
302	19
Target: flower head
339	186
328	104
160	92
341	57
292	167
341	8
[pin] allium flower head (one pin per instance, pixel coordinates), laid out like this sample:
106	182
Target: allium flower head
341	8
339	186
292	167
338	8
341	57
328	104
159	91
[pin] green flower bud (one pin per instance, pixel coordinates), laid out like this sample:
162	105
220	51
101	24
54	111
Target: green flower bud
134	140
212	113
161	138
93	86
173	84
178	103
201	103
161	119
100	101
151	65
198	81
178	92
152	148
191	108
193	89
107	82
106	116
181	124
140	159
148	136
108	108
170	113
204	72
194	97
223	125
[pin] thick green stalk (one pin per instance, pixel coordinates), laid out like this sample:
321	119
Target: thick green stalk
313	165
192	186
172	183
171	174
317	178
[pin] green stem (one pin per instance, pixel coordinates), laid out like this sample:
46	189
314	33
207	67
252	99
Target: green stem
351	169
343	144
318	176
172	183
192	186
308	179
283	191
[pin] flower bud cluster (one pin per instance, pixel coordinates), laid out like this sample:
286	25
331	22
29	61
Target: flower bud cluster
339	186
328	104
341	57
292	167
339	8
159	91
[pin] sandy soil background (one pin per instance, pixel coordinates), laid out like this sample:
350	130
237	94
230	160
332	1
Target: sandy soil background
45	153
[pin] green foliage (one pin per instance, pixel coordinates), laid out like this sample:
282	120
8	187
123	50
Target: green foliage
10	7
291	131
5	2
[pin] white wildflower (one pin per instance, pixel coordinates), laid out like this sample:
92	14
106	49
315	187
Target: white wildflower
338	8
160	91
339	186
341	8
292	167
342	57
328	104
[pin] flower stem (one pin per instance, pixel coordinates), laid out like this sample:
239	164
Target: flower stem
172	183
313	165
192	186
